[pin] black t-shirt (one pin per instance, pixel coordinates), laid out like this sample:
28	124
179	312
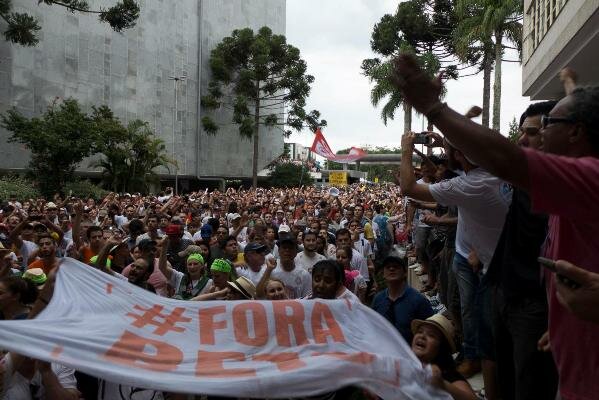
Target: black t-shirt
514	267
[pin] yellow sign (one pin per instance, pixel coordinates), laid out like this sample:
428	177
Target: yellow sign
376	179
337	178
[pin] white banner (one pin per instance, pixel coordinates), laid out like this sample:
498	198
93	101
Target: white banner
111	329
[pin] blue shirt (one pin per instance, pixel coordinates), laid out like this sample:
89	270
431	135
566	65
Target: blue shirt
409	306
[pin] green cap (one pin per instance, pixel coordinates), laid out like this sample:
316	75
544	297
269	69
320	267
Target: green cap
197	257
221	265
94	261
35	275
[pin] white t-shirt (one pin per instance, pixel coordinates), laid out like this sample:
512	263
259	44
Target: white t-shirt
358	262
363	246
251	274
27	249
242	236
298	281
17	387
306	262
419	214
482	202
120	220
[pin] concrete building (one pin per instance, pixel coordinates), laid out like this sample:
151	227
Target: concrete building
79	57
558	33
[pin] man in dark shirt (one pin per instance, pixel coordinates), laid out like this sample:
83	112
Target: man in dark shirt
400	303
520	307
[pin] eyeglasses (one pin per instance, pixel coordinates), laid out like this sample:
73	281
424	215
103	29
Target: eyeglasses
547	120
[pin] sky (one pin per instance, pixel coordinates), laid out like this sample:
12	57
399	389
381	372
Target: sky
333	37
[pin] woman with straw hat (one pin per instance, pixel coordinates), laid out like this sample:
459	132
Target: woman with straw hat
433	344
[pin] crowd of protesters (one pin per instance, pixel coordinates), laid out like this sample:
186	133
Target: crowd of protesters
471	221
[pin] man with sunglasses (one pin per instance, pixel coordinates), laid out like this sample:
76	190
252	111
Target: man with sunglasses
562	182
520	307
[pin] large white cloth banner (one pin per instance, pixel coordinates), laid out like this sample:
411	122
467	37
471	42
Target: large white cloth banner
108	328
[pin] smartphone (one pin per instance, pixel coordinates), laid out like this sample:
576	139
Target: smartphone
550	265
422	138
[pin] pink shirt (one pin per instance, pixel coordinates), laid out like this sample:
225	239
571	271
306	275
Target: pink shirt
568	190
157	279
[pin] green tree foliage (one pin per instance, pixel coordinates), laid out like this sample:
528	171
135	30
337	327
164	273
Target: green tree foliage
491	23
130	155
263	80
23	28
62	137
58	140
18	186
382	171
421	27
287	174
514	132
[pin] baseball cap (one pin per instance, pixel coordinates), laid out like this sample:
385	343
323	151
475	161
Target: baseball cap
234	216
254	246
287	238
284	228
173	230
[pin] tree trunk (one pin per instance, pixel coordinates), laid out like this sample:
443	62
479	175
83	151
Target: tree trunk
487	68
497	82
407	117
429	128
256	138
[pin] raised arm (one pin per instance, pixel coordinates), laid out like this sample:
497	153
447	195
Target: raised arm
408	184
485	147
163	265
78	208
271	264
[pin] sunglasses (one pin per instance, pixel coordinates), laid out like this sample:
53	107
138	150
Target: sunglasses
547	120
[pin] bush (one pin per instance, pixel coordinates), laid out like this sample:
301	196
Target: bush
84	189
18	186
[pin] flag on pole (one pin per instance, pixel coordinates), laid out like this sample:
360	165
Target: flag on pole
322	148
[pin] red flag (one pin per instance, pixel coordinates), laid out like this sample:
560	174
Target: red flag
322	148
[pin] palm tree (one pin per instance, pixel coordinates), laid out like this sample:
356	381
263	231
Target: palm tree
129	164
489	23
378	72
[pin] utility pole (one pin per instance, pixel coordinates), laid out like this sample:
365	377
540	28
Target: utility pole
176	80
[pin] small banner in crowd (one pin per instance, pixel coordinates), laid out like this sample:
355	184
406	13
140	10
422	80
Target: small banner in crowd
321	147
108	328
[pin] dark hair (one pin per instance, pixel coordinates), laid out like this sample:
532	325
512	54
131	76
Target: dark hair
26	289
136	226
92	229
227	240
207	260
540	108
308	233
585	103
395	260
342	231
213	222
45	235
330	265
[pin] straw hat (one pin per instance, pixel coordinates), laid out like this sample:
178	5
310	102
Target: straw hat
440	322
244	286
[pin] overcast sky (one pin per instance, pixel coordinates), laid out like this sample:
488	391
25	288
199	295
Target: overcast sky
334	37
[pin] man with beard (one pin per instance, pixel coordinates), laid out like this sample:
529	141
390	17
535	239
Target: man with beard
46	252
139	273
307	258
